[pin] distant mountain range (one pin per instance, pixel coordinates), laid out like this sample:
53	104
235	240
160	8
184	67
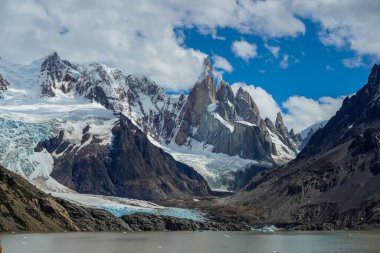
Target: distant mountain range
67	99
89	128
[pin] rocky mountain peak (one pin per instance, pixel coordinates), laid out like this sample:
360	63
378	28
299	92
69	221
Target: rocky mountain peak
374	77
279	123
246	108
279	120
284	133
295	137
206	80
357	111
224	92
292	134
270	125
200	97
56	74
52	63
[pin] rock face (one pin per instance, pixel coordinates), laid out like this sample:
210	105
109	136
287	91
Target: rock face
202	94
4	84
24	208
335	179
231	123
131	166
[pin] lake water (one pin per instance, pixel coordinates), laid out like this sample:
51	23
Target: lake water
194	242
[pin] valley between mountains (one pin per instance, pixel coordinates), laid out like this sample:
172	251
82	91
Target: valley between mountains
87	148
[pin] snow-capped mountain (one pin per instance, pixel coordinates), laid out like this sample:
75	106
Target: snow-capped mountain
305	135
212	123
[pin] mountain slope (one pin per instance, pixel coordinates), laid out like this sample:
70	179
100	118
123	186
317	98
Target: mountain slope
130	166
24	208
335	179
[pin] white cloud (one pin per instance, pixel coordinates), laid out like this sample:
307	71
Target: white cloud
302	112
355	62
298	112
274	50
136	36
284	64
350	23
222	64
244	50
267	105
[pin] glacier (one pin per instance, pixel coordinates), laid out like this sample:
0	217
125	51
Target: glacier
26	125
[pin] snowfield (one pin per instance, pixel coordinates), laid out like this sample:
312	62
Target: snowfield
212	166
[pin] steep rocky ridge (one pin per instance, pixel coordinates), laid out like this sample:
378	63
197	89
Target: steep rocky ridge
335	179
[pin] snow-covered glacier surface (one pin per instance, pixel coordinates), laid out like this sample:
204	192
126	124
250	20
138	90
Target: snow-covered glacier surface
25	125
212	166
17	142
123	206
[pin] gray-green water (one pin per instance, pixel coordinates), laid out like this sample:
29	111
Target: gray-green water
194	242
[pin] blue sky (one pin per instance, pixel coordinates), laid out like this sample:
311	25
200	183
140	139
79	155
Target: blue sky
314	70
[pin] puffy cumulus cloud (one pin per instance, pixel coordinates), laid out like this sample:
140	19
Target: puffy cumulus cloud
267	105
350	23
222	64
244	50
301	112
140	37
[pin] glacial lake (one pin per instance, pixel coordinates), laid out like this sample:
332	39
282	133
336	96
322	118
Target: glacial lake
194	242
